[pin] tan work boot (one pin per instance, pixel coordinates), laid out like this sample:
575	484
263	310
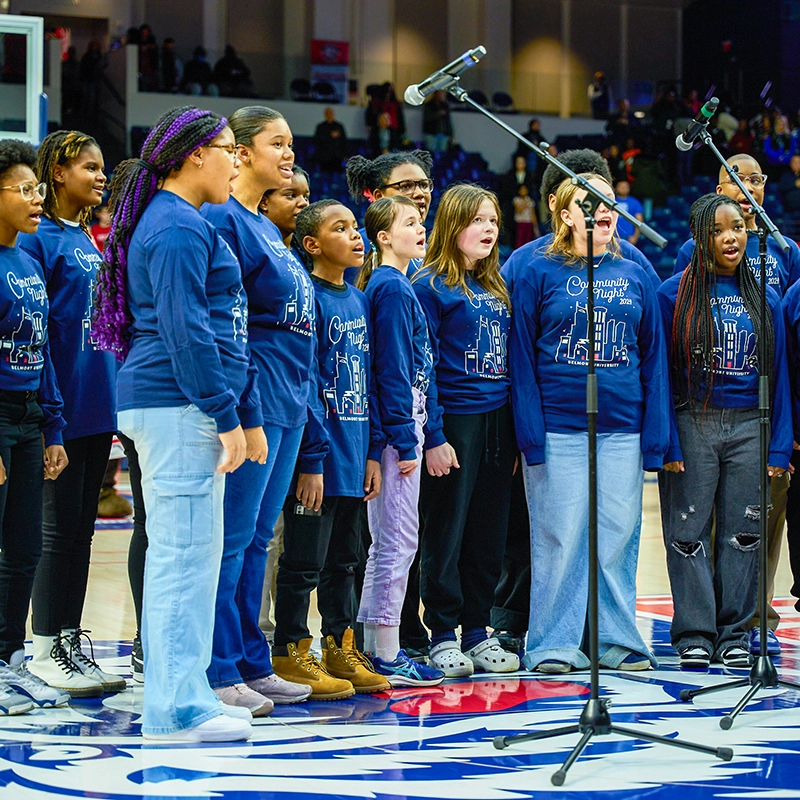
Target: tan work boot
347	662
300	666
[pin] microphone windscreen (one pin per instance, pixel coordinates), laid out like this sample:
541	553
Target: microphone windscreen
413	96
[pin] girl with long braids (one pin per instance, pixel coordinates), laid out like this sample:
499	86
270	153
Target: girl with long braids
170	302
401	369
548	359
70	164
280	323
30	410
714	330
469	435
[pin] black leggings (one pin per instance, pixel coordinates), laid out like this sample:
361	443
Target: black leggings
20	513
69	514
137	549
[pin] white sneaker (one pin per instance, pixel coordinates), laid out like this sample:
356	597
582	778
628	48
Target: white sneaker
240	694
12	702
86	664
237	712
447	657
29	685
52	665
219	729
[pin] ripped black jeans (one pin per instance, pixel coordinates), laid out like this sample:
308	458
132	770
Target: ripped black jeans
714	585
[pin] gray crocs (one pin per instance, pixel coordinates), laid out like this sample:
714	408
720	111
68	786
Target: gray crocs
447	657
488	656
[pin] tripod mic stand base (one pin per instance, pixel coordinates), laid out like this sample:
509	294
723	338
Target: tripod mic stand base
596	721
763	675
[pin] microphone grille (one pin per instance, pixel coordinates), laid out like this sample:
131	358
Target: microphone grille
413	96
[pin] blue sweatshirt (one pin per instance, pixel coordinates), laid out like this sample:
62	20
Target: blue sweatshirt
336	440
87	376
469	338
402	357
25	365
783	268
520	259
549	349
280	297
736	362
189	332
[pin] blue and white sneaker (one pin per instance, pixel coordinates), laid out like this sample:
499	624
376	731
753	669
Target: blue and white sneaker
773	645
405	672
12	702
28	685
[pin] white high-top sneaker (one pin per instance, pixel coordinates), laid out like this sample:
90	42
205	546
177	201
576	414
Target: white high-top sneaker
86	663
52	665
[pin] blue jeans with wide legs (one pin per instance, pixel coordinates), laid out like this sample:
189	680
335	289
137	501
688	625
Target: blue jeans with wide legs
254	496
560	549
179	451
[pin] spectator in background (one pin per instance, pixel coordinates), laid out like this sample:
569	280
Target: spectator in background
742	142
436	124
330	143
525	217
70	87
789	186
649	180
616	163
778	147
621	124
91	77
534	135
102	227
624	228
148	60
171	67
599	96
518	175
397	122
386	125
727	123
232	75
628	154
197	77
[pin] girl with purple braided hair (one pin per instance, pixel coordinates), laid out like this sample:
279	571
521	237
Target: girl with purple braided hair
71	165
170	301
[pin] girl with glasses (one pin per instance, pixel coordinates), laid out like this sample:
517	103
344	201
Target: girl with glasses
70	164
30	409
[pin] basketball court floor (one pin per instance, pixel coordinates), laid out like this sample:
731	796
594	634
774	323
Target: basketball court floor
419	743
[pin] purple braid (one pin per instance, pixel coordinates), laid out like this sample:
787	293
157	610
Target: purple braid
171	140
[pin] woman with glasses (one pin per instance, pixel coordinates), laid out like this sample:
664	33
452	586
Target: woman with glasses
71	165
406	174
170	302
30	408
279	321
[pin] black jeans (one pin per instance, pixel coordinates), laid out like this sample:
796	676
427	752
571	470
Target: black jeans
464	517
137	548
20	512
793	526
512	600
319	553
69	514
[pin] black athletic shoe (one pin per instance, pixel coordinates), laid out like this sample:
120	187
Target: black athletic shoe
137	660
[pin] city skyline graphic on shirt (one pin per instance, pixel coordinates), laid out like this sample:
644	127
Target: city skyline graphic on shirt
735	348
347	396
89	263
299	309
26	354
488	357
609	339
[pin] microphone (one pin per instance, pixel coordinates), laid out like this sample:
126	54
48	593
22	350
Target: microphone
443	79
686	139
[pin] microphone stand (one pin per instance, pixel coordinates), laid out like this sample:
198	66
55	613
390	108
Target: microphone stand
595	719
763	674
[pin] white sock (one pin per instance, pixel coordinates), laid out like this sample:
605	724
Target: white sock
370	639
387	643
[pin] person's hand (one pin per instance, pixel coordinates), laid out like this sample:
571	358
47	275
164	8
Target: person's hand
309	490
257	449
406	468
235	445
55	460
774	472
441	459
674	466
2	472
372	480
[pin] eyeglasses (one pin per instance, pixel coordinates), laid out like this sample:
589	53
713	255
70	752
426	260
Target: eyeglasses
27	190
407	187
756	180
230	149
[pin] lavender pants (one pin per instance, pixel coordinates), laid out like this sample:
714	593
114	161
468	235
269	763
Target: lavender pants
394	525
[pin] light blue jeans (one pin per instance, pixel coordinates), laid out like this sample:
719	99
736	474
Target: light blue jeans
558	503
179	451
